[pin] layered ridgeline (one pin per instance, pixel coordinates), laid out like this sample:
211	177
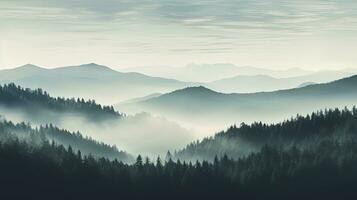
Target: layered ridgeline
100	122
93	81
221	71
38	107
42	135
229	78
90	81
325	170
300	132
205	107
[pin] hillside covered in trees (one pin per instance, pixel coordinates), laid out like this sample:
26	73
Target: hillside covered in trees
301	131
24	133
37	101
324	171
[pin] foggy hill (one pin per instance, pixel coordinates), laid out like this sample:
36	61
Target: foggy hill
100	122
89	81
141	98
202	105
49	133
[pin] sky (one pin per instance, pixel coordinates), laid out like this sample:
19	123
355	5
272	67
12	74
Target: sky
277	34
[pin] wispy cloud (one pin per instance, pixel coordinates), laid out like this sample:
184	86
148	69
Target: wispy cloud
234	14
175	26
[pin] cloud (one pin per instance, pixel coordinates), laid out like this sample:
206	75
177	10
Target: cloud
200	13
165	27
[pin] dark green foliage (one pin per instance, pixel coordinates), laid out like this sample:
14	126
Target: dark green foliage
326	171
13	96
301	131
324	168
49	133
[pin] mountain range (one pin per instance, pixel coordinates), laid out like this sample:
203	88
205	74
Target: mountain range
213	72
108	86
197	105
89	81
265	83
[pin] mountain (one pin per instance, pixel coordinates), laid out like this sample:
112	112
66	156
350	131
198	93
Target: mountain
213	72
203	107
264	83
93	81
256	83
89	81
20	72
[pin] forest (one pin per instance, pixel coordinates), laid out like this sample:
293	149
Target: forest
324	169
300	131
35	137
32	101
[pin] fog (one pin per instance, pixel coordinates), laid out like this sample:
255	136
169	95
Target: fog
206	120
137	134
154	129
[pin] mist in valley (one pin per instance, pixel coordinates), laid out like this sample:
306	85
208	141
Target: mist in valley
136	134
153	125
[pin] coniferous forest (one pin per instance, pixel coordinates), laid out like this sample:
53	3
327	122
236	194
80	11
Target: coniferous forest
306	157
300	131
325	171
32	101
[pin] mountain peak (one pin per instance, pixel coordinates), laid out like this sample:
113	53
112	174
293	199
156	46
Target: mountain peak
197	90
93	65
90	67
29	67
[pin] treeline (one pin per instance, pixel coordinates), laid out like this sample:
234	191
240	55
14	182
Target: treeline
301	131
326	171
12	95
48	133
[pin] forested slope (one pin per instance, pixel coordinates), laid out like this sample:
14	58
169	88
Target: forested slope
301	131
38	101
326	171
50	134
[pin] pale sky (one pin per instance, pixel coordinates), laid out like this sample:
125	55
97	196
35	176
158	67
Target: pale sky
310	34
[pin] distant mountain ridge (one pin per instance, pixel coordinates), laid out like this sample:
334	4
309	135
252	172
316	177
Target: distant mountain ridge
89	81
108	86
212	72
265	83
197	105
